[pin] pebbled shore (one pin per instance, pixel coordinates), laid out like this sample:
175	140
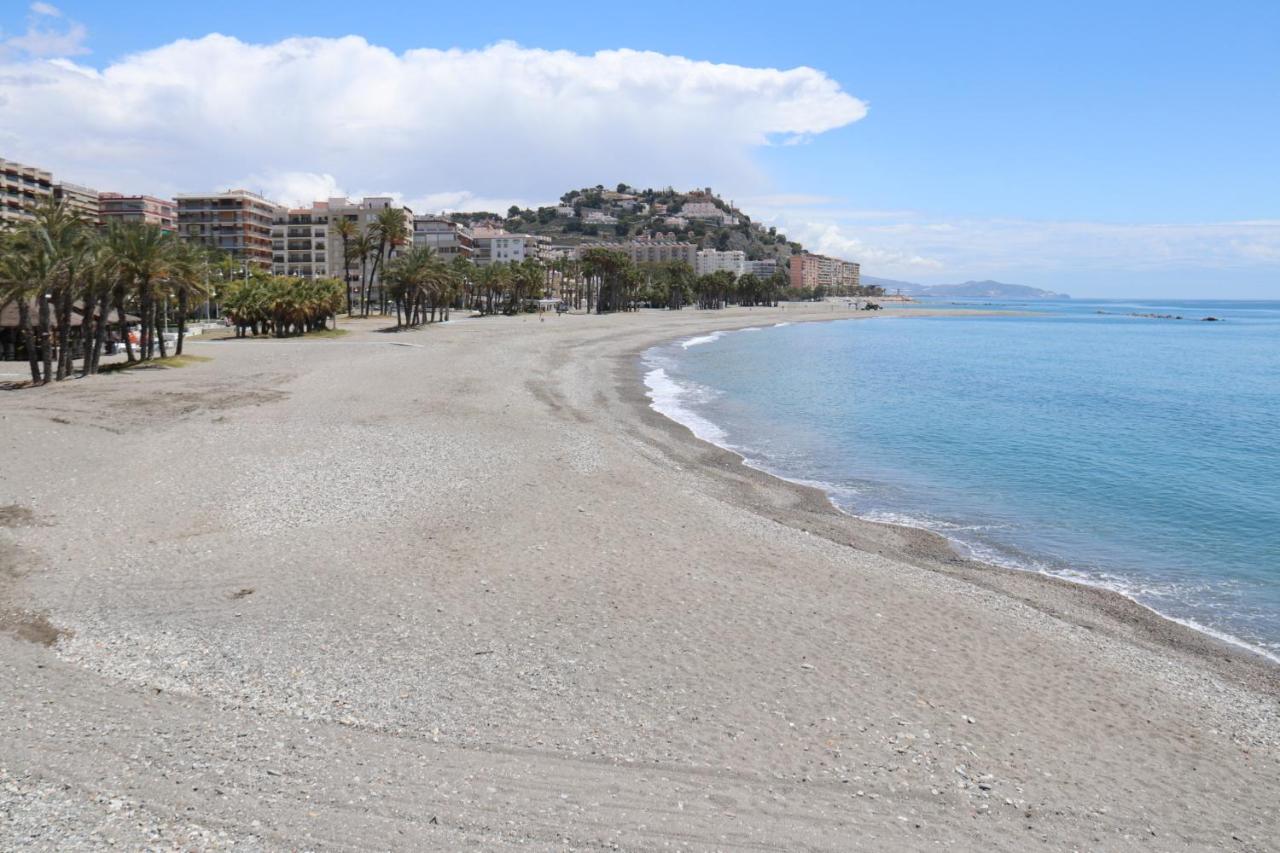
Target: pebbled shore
473	592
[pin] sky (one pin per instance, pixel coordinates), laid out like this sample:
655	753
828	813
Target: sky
1117	149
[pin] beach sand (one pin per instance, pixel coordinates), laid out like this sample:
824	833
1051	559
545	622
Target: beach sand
460	587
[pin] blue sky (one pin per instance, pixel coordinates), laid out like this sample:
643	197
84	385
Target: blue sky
1098	148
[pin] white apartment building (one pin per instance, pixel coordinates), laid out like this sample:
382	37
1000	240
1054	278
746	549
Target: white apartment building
496	246
300	243
598	217
712	260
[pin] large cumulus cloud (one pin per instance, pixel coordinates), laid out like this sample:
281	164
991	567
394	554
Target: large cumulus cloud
504	121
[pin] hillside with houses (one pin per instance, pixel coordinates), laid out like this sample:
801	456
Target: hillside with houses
598	214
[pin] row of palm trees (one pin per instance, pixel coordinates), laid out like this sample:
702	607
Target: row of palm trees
425	287
73	284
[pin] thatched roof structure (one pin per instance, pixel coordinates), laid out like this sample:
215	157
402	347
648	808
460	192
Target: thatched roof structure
9	315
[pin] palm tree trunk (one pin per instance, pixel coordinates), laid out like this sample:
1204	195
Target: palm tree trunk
29	338
144	337
346	274
124	327
155	323
99	334
46	338
364	286
182	319
64	334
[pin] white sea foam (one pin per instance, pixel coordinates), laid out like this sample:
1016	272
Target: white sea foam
701	339
669	397
752	329
783	323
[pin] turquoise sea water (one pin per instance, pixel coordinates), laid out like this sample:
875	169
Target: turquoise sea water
1139	454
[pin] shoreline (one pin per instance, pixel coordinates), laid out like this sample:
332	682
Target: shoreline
1206	643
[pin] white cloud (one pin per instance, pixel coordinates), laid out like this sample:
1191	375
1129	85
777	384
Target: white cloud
46	35
501	122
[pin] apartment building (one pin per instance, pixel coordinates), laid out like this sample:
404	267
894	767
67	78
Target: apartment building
496	246
144	209
446	238
761	269
712	260
22	188
809	270
236	221
300	243
82	201
651	250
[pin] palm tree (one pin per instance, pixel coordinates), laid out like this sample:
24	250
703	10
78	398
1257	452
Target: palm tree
347	231
464	279
608	267
144	255
101	277
493	280
388	230
43	259
187	279
25	271
362	247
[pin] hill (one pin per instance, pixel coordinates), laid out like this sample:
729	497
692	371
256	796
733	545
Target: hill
596	213
965	290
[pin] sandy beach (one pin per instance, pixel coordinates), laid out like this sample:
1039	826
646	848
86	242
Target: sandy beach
460	588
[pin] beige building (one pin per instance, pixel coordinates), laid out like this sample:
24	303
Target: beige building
113	207
761	269
82	201
447	238
364	214
22	188
651	250
236	221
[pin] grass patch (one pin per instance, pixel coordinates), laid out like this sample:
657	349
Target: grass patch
328	333
155	363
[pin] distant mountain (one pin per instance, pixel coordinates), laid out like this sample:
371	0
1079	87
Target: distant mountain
967	290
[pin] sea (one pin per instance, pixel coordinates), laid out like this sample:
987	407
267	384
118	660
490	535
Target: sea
1132	445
